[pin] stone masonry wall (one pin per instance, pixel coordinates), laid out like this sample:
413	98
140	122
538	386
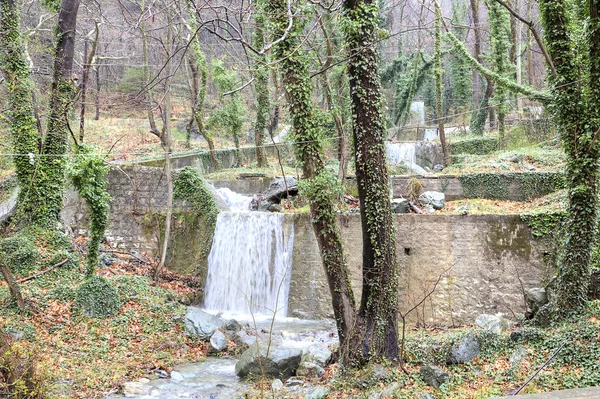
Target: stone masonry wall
482	262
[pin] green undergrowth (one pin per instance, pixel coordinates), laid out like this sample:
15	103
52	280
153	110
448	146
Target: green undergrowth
504	362
270	171
510	185
526	159
85	357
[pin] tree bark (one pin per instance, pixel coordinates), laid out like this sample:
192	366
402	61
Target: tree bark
376	333
13	286
438	71
306	132
261	78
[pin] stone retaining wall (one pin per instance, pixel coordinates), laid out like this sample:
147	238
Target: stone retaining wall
484	260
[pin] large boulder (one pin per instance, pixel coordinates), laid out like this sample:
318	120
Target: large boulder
200	324
465	350
433	376
491	323
433	198
277	189
279	362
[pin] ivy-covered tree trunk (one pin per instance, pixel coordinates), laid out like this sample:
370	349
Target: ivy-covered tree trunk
376	331
438	72
261	77
23	130
500	43
576	111
50	173
199	68
479	116
319	185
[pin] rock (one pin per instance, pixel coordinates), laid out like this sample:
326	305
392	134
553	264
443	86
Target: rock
133	388
277	385
516	158
177	376
309	370
438	168
106	260
264	206
433	198
465	350
317	353
536	298
294	382
428	209
232	326
400	205
387	392
426	396
161	374
518	355
433	376
218	342
275	208
317	393
281	362
530	168
494	324
277	189
243	340
200	324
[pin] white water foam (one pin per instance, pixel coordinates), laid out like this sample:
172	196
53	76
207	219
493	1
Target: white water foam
249	265
235	201
430	134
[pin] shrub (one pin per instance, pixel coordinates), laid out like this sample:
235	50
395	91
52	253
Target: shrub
20	378
96	297
19	253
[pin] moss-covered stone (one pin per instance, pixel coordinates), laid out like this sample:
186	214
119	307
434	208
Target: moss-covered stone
475	146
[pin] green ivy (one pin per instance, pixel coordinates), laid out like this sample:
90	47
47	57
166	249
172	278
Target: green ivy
475	146
191	187
88	172
504	186
96	297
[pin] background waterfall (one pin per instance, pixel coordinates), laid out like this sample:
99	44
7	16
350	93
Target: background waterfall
250	262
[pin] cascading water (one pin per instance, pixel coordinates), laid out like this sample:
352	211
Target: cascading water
430	134
404	153
249	265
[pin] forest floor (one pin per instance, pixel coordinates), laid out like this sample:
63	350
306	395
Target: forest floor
85	358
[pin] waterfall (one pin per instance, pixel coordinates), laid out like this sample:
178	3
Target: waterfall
430	134
250	262
398	153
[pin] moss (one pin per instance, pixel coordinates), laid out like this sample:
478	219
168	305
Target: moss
97	298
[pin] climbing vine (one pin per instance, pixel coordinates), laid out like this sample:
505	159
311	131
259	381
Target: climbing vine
191	187
507	186
261	77
88	171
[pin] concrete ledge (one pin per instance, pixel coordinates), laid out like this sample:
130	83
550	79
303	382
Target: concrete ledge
581	393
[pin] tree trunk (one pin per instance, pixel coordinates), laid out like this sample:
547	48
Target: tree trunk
376	333
306	131
97	97
261	78
438	71
476	50
50	177
24	133
87	64
13	286
579	127
146	75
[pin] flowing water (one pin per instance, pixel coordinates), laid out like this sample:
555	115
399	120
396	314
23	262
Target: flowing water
249	265
430	134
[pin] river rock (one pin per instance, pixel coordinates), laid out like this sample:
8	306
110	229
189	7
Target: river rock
309	370
232	326
134	388
494	324
400	205
243	340
433	198
200	324
280	362
218	341
275	208
277	385
433	376
536	298
277	189
319	392
465	350
438	167
317	353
